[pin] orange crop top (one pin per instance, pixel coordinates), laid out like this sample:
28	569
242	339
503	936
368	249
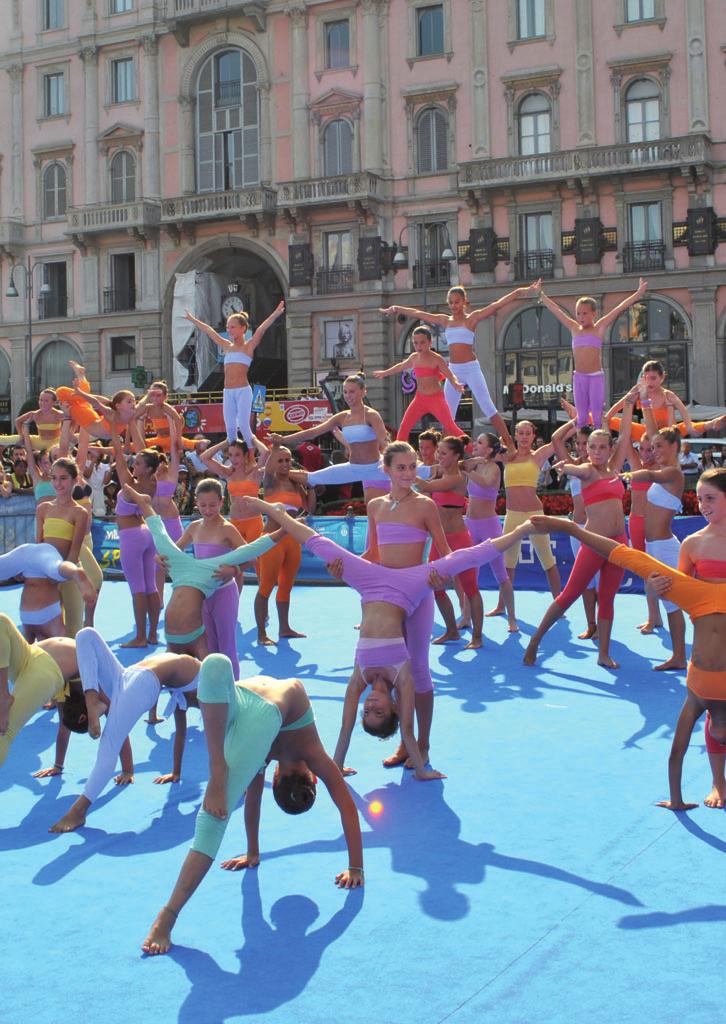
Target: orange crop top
243	488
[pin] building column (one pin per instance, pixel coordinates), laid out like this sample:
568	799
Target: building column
704	383
89	56
374	12
584	73
300	96
480	94
187	105
697	67
300	349
151	155
15	71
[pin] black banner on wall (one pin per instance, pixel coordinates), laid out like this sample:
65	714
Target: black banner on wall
300	260
587	239
701	231
482	250
369	258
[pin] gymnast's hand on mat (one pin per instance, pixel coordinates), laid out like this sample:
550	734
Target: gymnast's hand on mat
335	568
676	805
353	878
215	797
248	860
161	780
48	773
6	702
124	779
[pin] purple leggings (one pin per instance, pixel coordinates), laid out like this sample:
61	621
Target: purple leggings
407	588
138	559
489	529
589	397
174	528
219	616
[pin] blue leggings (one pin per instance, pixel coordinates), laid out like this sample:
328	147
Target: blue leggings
252	725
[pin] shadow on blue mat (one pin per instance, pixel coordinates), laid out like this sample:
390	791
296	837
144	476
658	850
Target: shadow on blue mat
277	961
709	914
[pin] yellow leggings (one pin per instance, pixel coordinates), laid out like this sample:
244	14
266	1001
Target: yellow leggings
540	541
278	567
71	600
36	679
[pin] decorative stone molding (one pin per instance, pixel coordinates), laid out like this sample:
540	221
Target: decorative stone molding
624	71
120	136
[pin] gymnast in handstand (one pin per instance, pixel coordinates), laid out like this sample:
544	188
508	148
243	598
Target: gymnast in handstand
245	726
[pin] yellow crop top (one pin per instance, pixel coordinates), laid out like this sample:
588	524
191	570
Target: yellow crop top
521	474
58	529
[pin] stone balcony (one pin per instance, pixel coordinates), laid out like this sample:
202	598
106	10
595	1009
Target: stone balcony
250	205
139	219
11	234
663	154
182	14
357	191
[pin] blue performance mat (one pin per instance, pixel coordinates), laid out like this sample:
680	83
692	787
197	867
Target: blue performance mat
538	882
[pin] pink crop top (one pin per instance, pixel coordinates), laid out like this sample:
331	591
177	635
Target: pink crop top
426	371
610	489
165	488
126	508
710	568
400	533
210	550
448	499
586	341
477	491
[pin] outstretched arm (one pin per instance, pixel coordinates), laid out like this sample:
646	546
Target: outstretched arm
611	317
518	293
396	368
327	770
206	329
558	312
354	689
307	435
265	325
440	319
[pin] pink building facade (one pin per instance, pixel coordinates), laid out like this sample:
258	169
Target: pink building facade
212	153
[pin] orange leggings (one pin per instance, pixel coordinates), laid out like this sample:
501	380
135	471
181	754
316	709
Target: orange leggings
249	529
81	411
278	568
638	429
163	441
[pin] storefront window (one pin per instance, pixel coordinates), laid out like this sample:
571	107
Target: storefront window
649	330
538	352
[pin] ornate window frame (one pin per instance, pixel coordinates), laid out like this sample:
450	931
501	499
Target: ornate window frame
336	105
56	68
621	17
112	57
624	72
442	96
516	209
44	155
322	21
662	195
414	6
520	84
112	141
513	23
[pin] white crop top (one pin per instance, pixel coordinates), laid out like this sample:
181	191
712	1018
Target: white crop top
459	334
658	495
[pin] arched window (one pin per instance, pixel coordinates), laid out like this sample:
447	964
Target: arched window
653	329
534	125
123	178
228	123
432	146
50	366
337	148
538	352
54	191
642	111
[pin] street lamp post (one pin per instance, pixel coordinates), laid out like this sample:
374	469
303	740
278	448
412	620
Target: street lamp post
448	254
28	269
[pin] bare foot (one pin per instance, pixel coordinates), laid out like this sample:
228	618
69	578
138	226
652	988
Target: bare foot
69	822
249	860
667	666
447	637
215	798
530	654
153	719
474	644
265	640
589	633
607	662
136	642
159	938
499	610
162	780
649	627
512	627
153	641
715	798
291	634
399	758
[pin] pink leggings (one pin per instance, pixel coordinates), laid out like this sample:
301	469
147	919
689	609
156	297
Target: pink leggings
468	579
488	528
219	616
587	563
138	559
636	526
436	406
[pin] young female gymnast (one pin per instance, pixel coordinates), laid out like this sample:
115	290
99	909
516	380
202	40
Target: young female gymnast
245	726
167	481
238	353
460	328
483	480
588	378
363	431
522	466
704	600
50	421
447	488
429	369
279	568
663	501
124	694
243	474
428	445
659	406
38	468
155	409
602	494
93	414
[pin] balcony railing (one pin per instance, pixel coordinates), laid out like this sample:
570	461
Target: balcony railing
535	263
438	272
642	256
327	282
101	217
660	155
240	202
51	306
119	300
180	12
329	191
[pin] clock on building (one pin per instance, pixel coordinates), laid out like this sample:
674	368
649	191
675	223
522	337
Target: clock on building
232	304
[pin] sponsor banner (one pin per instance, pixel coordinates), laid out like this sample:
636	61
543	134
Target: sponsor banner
292	414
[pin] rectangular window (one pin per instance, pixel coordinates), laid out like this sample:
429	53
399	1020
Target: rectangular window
639	10
430	30
530	19
337	249
337	44
53	14
55	302
123	352
536	231
645	222
121	295
119	6
54	94
122	80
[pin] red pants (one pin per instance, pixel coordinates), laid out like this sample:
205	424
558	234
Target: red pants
433	404
587	563
469	578
636	526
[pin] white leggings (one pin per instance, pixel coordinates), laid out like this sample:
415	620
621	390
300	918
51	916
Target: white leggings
667	551
471	375
34	561
237	409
